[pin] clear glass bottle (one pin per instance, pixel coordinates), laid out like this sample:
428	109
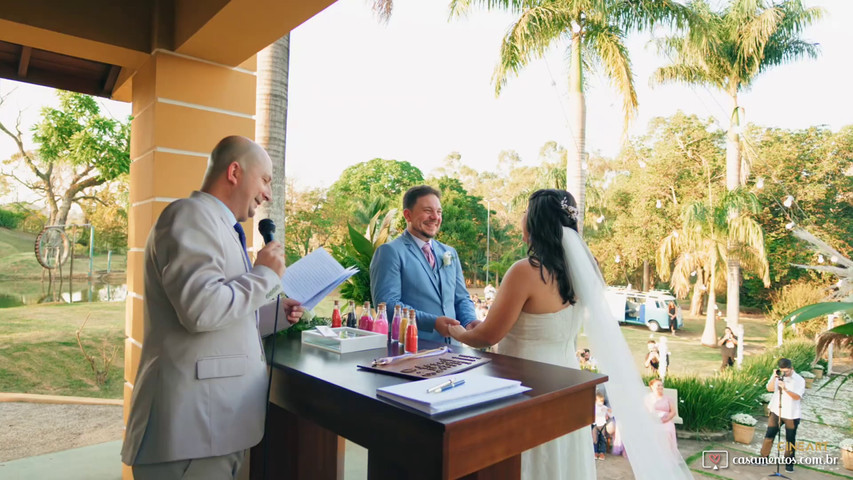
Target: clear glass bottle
412	333
380	324
395	324
404	321
336	315
366	321
352	320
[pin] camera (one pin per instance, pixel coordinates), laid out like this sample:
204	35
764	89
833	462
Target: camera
779	374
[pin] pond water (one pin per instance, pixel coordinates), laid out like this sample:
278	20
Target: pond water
31	292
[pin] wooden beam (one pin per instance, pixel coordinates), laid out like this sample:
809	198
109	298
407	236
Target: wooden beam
24	61
110	81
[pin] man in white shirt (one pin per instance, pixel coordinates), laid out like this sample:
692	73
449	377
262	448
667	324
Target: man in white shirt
791	386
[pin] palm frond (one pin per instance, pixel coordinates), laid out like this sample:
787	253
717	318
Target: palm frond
608	44
755	33
529	37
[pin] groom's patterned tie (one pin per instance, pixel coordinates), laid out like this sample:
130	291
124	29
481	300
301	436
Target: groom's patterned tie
428	252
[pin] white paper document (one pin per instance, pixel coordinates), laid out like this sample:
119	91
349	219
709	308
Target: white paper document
476	389
313	277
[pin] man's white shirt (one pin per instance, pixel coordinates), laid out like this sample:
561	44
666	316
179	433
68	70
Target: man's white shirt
790	407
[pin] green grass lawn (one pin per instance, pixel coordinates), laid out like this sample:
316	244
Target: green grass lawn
39	351
18	261
688	356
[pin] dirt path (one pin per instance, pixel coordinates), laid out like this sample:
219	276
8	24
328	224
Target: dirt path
28	429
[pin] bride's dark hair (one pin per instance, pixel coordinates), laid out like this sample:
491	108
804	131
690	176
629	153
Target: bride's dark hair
548	211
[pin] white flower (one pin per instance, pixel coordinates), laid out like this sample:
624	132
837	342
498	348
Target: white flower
744	419
807	374
766	397
847	444
447	259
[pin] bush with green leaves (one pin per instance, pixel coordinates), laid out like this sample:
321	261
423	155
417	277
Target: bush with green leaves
707	404
10	219
792	297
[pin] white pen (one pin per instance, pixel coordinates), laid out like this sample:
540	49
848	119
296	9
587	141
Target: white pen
446	386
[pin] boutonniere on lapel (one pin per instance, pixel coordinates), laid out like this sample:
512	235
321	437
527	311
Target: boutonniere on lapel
447	259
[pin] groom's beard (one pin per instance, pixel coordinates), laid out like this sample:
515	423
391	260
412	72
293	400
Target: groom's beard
422	234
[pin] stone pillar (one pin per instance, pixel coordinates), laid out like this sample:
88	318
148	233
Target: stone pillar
182	106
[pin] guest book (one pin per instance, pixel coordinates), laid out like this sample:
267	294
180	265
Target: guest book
421	395
417	366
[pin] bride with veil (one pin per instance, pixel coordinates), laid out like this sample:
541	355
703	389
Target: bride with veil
543	303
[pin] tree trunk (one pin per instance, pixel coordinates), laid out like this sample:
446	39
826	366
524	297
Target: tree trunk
575	182
271	128
698	294
733	181
709	335
62	214
646	275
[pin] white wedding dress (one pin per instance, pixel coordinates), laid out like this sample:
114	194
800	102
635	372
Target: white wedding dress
551	338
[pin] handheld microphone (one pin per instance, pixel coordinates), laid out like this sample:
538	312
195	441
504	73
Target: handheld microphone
267	229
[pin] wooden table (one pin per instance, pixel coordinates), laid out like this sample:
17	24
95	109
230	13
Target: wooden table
318	396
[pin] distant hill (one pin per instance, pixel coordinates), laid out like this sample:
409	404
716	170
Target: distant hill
14	241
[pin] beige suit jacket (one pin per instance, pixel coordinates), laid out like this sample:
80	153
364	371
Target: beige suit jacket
201	386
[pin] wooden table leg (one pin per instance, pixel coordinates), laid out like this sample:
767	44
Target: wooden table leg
297	449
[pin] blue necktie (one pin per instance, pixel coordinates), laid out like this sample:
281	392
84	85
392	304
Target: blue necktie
242	234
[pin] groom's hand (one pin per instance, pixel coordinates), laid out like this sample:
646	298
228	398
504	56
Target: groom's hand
442	325
457	331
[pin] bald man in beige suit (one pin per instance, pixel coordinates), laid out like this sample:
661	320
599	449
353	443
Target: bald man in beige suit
200	395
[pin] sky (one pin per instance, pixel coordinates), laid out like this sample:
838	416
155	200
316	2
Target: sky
418	88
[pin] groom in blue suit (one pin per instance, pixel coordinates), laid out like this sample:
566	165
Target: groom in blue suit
416	271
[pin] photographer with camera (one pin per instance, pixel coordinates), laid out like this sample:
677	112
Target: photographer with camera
791	386
728	348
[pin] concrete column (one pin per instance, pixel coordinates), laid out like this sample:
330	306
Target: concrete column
182	106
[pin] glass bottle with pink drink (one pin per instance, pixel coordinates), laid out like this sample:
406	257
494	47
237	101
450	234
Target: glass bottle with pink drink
366	321
380	324
395	324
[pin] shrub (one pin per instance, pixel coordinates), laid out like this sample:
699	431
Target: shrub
10	219
792	297
707	404
800	352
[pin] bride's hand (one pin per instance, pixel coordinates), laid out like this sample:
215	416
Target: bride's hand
456	331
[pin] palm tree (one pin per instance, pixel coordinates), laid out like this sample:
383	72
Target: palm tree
271	127
595	30
703	244
744	39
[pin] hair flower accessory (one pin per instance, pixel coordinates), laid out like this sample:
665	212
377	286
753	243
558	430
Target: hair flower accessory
573	211
447	259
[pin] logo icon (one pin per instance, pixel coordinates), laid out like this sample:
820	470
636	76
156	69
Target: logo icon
715	459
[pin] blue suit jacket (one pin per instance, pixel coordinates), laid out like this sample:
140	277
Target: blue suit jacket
400	274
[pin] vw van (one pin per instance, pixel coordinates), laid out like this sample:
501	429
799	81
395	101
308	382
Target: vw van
643	308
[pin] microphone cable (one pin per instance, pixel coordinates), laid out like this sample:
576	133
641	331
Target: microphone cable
269	386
